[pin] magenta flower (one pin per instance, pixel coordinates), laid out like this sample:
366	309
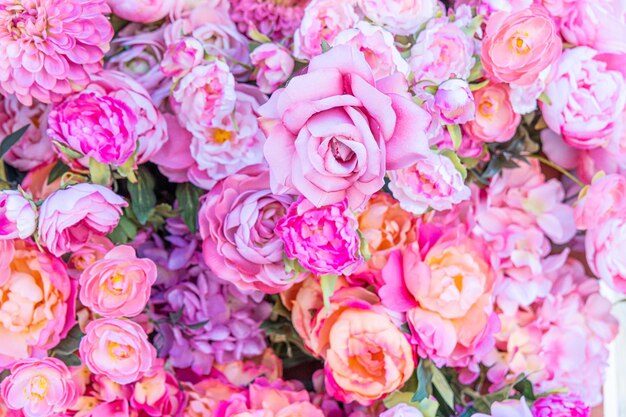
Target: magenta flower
560	405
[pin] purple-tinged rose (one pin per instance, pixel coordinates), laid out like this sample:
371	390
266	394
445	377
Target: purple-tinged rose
455	102
18	218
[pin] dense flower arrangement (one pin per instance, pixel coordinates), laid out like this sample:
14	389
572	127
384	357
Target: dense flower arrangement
311	208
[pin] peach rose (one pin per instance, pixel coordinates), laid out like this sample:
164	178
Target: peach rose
90	252
118	349
119	284
37	308
495	120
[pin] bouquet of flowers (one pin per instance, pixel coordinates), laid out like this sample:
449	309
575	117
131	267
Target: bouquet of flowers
311	208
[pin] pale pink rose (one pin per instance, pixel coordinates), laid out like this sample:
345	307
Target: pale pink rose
158	393
455	102
119	284
442	51
205	396
69	217
603	200
520	45
323	20
401	17
39	388
321	140
402	410
587	99
377	45
273	65
18	218
34	148
605	244
43	64
143	11
118	349
237	221
38	302
180	57
300	409
93	250
508	408
174	158
274	396
324	240
433	182
495	120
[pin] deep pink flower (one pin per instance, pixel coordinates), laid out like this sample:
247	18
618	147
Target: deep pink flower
560	405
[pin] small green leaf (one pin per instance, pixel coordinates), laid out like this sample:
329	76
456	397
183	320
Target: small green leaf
57	171
198	325
543	97
455	135
525	388
255	35
476	72
478	86
442	386
69	152
99	173
456	161
126	229
12	139
69	360
424	378
328	288
70	343
142	197
469	411
325	45
188	196
431	89
127	169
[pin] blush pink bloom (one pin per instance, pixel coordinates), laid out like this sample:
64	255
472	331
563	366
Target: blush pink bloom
324	240
520	45
50	48
377	45
34	148
69	217
508	408
401	17
180	57
323	20
93	250
118	285
143	11
455	102
38	302
158	393
603	200
273	65
442	51
588	99
118	349
495	120
18	218
237	221
179	144
39	388
321	141
605	244
433	182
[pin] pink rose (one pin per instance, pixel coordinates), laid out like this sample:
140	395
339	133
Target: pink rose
93	250
118	349
322	20
433	182
455	102
275	396
39	388
144	11
37	309
508	408
560	405
69	217
237	221
180	57
518	46
119	284
603	200
495	120
442	51
332	133
273	65
377	45
18	218
324	240
588	100
401	17
402	410
178	144
158	393
605	244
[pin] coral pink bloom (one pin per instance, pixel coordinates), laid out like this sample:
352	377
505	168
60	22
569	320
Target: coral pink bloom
495	120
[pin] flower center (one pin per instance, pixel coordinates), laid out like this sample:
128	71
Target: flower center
116	283
220	136
118	352
487	108
519	43
38	388
20	21
341	152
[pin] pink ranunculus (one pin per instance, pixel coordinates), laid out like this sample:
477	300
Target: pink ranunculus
69	217
39	387
93	250
324	240
18	217
495	120
560	405
118	349
178	144
237	221
181	56
520	45
34	148
332	133
323	20
401	17
508	408
605	244
603	200
433	182
143	11
38	302
377	45
44	64
587	99
455	102
273	65
442	51
118	285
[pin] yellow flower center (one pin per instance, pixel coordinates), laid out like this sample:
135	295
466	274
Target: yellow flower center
116	284
37	389
519	43
220	135
117	351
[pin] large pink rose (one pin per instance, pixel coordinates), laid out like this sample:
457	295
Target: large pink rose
237	220
333	131
520	45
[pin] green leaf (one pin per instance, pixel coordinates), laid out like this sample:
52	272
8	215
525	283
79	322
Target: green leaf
69	152
456	161
57	171
142	197
476	72
188	196
469	411
543	97
325	46
126	229
525	388
424	378
99	173
70	343
127	169
69	360
442	386
12	139
478	86
455	135
483	404
327	283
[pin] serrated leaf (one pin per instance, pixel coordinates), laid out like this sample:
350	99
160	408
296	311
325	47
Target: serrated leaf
57	171
188	196
424	380
327	283
142	197
455	135
442	386
99	173
12	139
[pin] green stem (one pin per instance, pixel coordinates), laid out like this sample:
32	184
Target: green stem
558	168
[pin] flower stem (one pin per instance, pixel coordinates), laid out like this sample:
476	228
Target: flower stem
559	168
